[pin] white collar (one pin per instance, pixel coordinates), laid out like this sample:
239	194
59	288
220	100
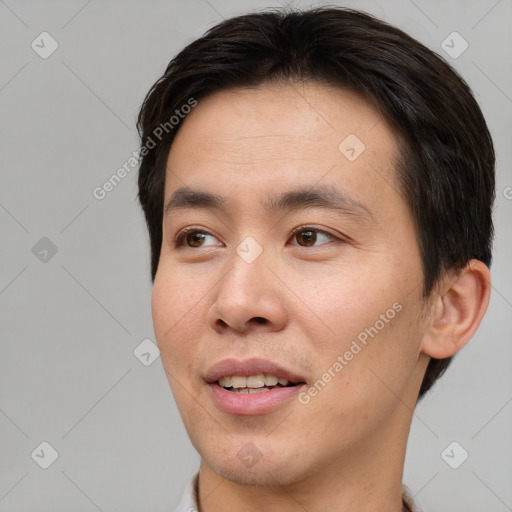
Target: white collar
188	501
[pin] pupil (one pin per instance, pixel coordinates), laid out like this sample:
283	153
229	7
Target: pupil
310	236
198	237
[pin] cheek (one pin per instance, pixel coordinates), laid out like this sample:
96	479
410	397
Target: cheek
177	307
380	352
348	299
369	316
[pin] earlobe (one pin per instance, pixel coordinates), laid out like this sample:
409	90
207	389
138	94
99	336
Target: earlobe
457	310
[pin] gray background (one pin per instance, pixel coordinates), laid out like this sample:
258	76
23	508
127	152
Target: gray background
70	322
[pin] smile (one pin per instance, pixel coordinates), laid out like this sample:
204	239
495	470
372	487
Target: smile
252	383
252	386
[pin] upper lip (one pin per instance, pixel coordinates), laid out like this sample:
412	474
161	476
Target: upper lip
254	366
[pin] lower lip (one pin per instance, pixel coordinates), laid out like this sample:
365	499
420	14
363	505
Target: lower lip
251	404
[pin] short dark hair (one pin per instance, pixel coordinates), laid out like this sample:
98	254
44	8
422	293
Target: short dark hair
445	168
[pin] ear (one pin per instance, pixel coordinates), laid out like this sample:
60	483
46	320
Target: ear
457	308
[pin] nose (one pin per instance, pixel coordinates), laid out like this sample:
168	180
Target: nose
248	298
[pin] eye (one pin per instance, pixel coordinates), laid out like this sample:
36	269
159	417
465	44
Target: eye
309	235
194	238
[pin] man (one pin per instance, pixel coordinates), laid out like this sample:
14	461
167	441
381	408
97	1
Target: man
318	189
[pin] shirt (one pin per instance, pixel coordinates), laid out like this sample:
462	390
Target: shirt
188	501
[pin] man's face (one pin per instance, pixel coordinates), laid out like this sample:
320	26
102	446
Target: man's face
339	310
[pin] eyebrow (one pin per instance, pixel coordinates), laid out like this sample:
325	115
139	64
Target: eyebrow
326	197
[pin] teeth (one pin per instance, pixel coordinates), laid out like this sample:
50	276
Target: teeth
258	381
225	382
259	390
271	380
238	381
246	391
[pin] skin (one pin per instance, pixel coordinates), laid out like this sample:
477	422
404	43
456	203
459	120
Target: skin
314	298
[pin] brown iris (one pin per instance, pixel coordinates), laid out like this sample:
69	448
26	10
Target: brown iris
194	238
308	236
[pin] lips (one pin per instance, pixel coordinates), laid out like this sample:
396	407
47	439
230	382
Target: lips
253	400
234	367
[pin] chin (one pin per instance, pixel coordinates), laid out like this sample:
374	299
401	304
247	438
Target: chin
250	467
244	476
258	477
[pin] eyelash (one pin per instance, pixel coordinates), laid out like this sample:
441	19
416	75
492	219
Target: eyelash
180	237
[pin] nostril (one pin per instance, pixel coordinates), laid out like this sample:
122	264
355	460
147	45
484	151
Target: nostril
257	319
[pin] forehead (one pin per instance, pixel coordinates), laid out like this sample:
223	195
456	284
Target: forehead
275	112
250	140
